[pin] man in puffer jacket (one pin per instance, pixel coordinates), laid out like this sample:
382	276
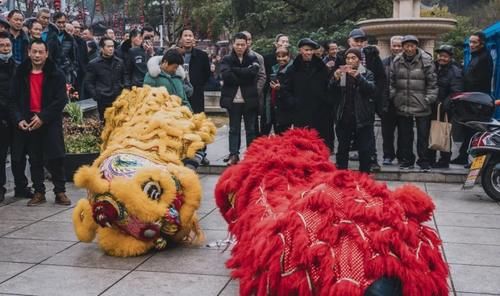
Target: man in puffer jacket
165	71
413	92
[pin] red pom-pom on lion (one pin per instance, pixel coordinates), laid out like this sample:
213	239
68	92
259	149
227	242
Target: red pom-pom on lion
302	227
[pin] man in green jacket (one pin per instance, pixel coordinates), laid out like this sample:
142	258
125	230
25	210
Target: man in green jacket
168	74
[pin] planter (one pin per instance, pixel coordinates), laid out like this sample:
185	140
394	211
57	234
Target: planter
74	161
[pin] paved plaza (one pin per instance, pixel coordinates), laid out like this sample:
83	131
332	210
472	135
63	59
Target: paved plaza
40	255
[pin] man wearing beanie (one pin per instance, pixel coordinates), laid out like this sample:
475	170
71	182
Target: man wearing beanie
305	89
370	59
413	92
353	88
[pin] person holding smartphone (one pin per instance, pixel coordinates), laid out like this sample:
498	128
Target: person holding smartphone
353	87
278	113
139	54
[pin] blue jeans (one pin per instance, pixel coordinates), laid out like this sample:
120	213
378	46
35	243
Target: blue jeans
236	112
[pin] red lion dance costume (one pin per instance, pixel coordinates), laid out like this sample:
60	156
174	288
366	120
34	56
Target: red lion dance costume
304	228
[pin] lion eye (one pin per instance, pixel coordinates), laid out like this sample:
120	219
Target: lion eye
153	190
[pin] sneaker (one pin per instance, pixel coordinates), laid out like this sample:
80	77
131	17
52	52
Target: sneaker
205	162
461	160
38	199
354	156
62	199
441	165
425	167
387	161
375	168
406	166
24	193
233	159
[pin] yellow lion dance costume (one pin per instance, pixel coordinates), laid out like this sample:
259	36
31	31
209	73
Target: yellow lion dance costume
140	195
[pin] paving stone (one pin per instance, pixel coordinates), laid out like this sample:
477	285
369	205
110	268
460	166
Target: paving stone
393	185
451	187
57	231
29	251
464	202
232	289
214	221
423	177
62	280
9	269
151	284
467	220
7	226
476	279
472	254
454	234
90	255
64	216
188	260
16	213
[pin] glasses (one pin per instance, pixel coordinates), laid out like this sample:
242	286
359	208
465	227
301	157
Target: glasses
3	45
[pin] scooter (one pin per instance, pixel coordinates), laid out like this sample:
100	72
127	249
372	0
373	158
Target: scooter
484	147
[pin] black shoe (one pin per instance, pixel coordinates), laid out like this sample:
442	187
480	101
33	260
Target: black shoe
375	168
354	156
24	193
387	161
406	166
2	194
425	167
233	160
205	162
462	160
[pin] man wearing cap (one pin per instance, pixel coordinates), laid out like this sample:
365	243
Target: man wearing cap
413	93
305	88
449	81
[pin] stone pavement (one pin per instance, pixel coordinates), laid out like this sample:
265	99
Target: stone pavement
40	255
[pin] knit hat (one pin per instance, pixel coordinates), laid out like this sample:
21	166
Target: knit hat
355	51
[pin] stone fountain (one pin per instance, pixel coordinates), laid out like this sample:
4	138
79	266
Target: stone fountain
406	20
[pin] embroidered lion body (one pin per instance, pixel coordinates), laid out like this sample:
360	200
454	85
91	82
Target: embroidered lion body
140	195
302	227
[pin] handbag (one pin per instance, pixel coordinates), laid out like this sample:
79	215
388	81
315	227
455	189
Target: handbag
440	133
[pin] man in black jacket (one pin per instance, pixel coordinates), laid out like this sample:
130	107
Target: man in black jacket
370	59
20	40
305	87
198	69
83	58
389	119
106	76
68	62
7	70
37	99
354	86
477	78
449	81
139	54
239	94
